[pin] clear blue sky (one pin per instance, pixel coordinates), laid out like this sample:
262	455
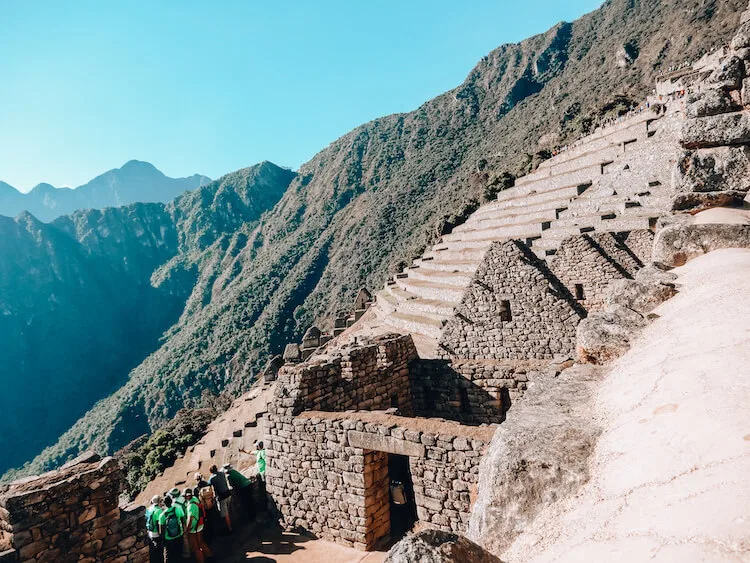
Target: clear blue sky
210	87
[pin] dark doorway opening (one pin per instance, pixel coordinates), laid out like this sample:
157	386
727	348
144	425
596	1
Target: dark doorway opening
401	494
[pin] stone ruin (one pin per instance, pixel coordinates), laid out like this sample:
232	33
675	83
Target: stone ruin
337	425
71	514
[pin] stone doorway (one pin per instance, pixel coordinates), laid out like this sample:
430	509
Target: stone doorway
403	514
388	480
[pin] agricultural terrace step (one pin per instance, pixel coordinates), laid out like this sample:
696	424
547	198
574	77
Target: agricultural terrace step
497	233
452	245
468	254
437	307
431	290
560	194
635	126
487	211
437	263
421	324
385	301
440	276
398	293
551	182
606	151
483	222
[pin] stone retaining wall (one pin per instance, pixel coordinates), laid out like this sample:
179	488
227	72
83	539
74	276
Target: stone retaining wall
371	376
327	472
72	515
469	391
514	309
586	264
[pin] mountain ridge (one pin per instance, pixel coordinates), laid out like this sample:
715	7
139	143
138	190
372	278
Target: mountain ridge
134	182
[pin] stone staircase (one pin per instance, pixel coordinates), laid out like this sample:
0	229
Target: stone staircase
617	179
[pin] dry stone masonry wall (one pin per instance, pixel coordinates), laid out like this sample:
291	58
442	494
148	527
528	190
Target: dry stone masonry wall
71	515
586	264
328	472
514	309
373	376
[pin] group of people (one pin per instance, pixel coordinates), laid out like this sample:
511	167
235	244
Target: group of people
181	524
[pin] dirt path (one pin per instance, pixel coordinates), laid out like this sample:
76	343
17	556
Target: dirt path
270	545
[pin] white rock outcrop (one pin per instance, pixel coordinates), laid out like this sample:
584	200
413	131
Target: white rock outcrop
670	474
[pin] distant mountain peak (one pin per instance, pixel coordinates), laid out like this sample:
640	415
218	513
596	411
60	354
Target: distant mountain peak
135	181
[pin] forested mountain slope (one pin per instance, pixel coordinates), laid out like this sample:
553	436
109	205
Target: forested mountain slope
85	299
379	194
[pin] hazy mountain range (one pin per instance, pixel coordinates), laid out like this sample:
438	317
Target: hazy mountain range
135	182
197	294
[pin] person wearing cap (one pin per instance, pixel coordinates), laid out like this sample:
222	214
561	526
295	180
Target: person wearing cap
222	493
244	488
171	528
155	545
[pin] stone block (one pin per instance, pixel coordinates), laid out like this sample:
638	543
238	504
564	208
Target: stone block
387	444
718	130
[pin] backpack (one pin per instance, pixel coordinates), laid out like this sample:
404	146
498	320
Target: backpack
172	524
150	524
206	496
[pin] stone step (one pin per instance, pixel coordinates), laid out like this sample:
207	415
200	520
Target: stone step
562	195
468	254
488	221
552	182
440	276
497	233
515	210
417	306
385	301
622	224
422	324
443	249
431	290
398	293
469	266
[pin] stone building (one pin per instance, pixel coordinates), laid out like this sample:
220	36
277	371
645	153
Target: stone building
586	264
514	309
71	514
342	429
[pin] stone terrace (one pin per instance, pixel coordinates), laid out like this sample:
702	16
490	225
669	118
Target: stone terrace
615	180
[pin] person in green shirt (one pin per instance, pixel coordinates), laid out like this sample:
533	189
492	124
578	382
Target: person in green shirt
155	545
172	530
260	460
243	487
195	528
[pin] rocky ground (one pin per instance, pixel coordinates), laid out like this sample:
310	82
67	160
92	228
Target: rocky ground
670	474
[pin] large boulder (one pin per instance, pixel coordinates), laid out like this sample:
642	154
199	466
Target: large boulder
639	296
605	336
435	546
695	202
538	456
715	170
675	245
729	74
711	102
716	130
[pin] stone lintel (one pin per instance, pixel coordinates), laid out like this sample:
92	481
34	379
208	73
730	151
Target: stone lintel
387	444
